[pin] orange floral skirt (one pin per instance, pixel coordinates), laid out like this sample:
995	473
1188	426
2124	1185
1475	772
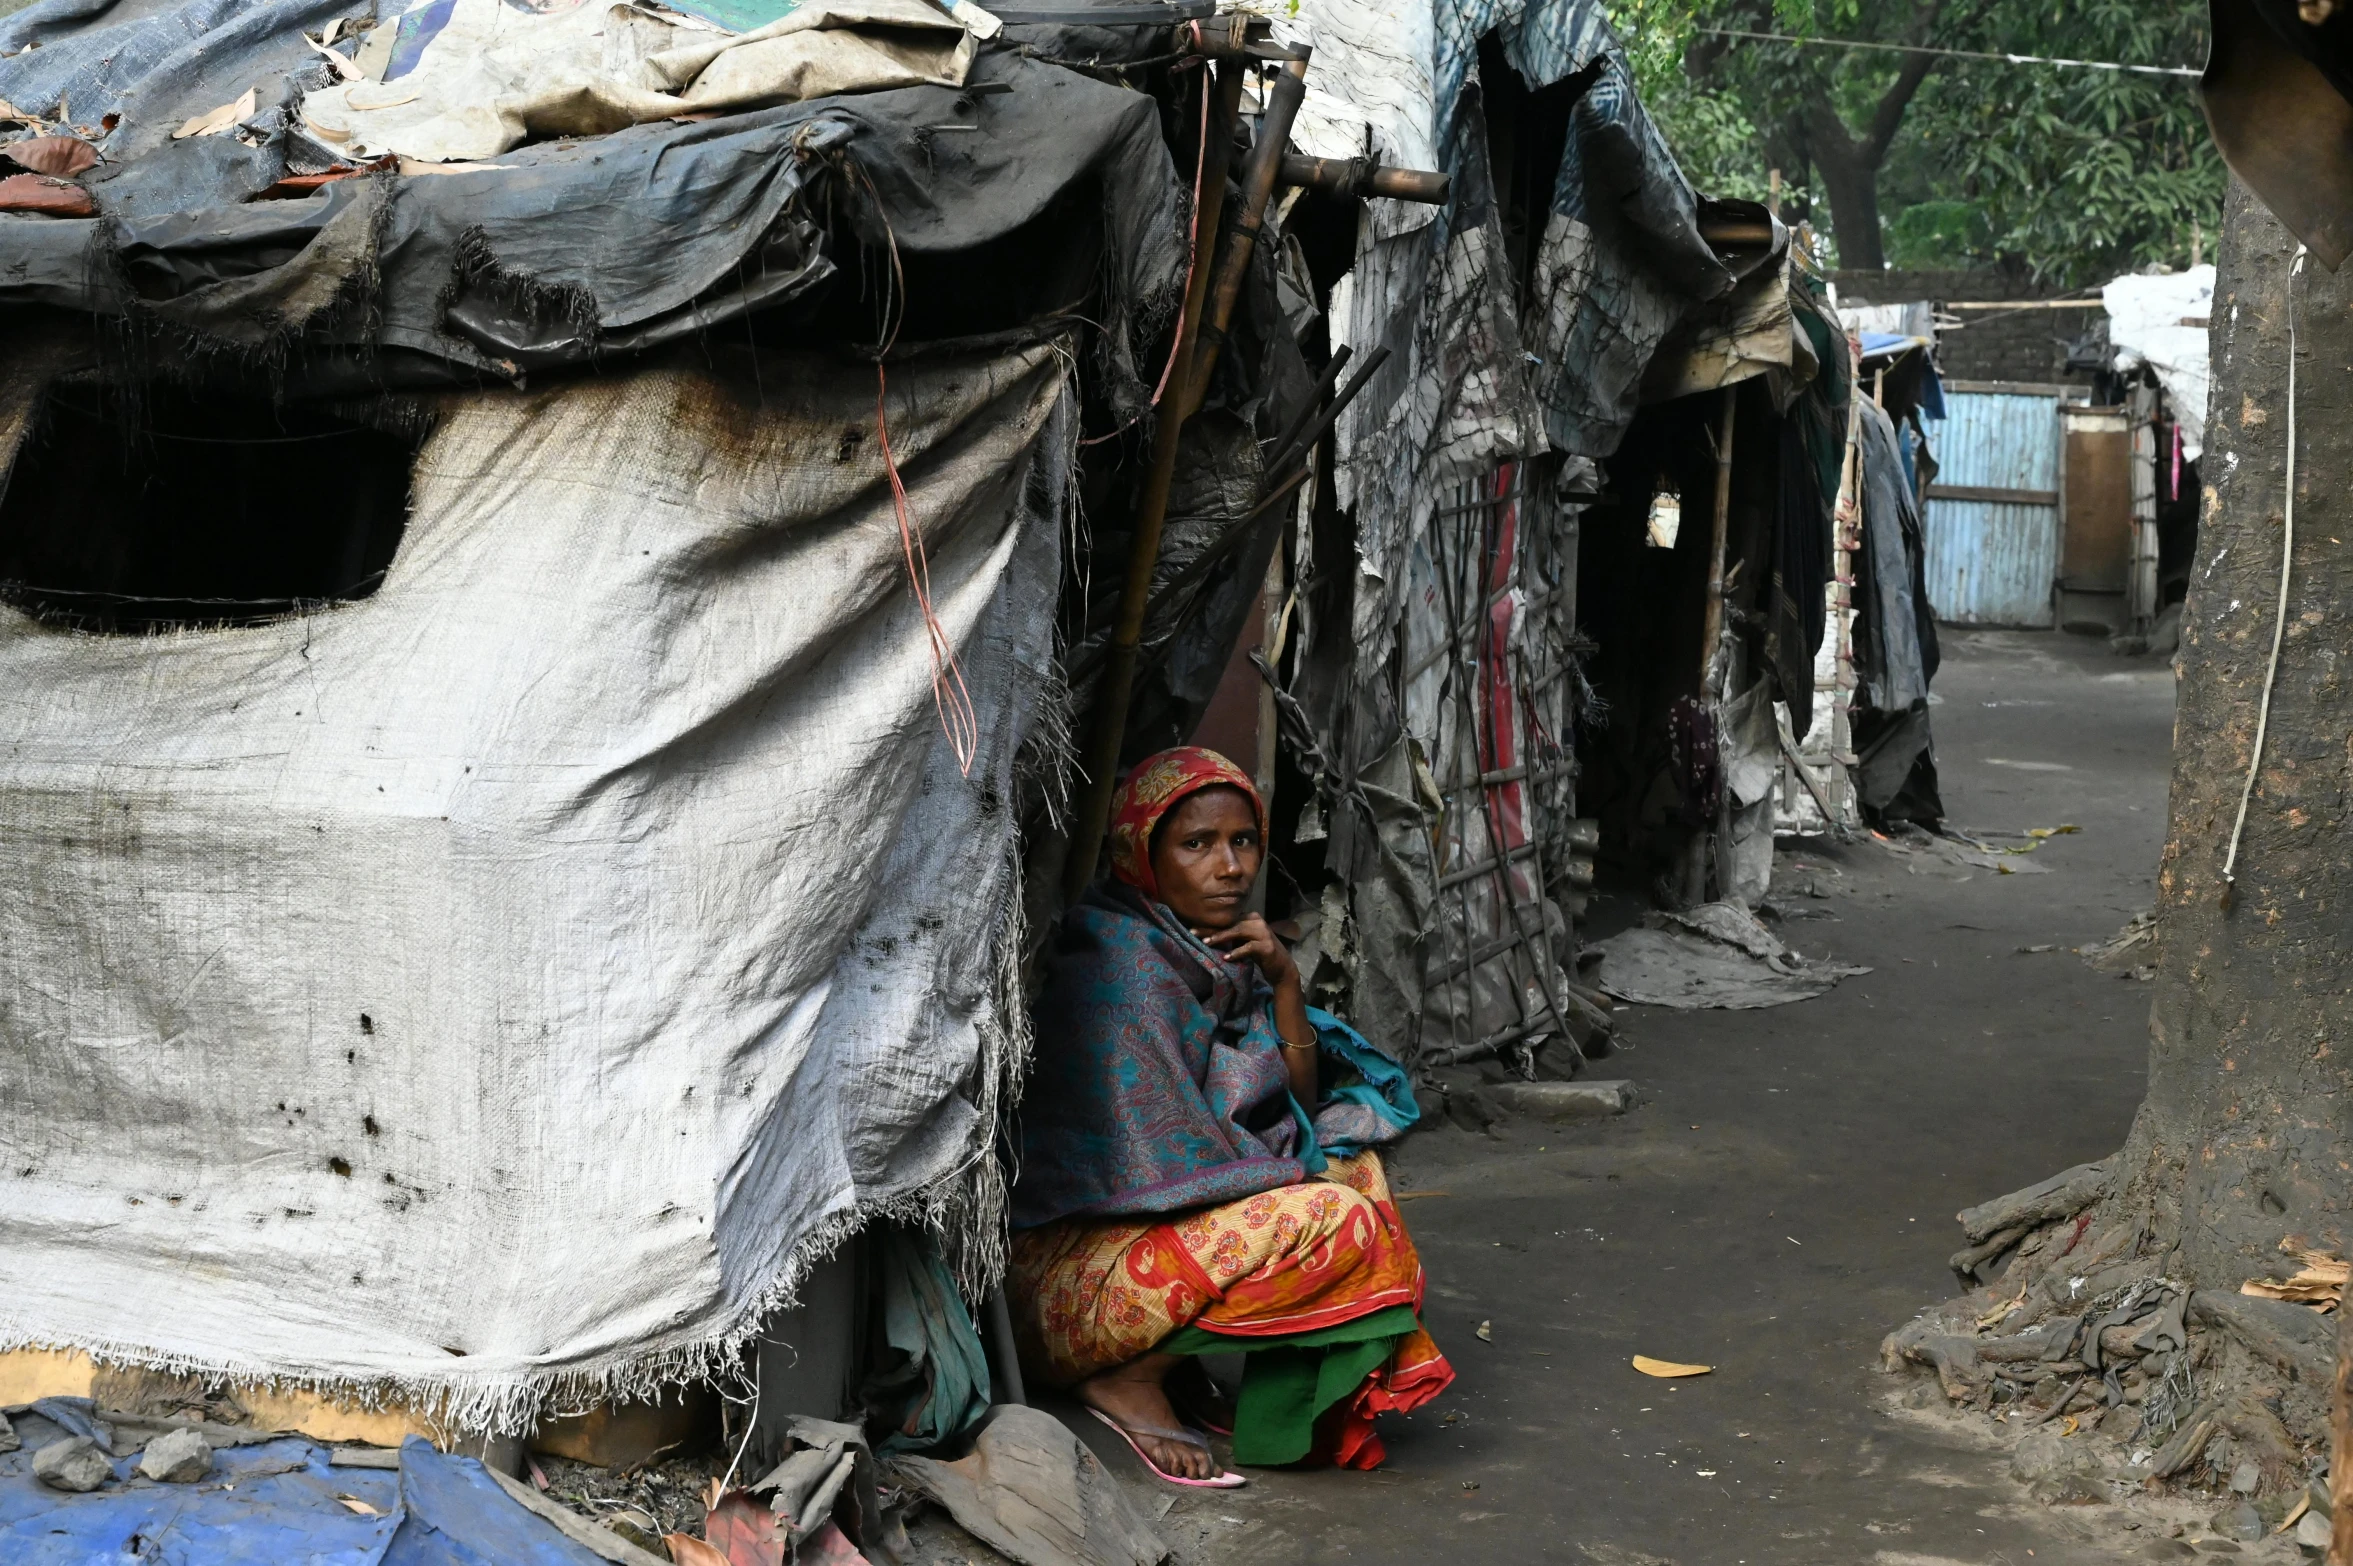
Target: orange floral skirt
1089	1294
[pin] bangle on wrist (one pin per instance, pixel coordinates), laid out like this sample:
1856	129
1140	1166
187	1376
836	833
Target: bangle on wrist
1287	1044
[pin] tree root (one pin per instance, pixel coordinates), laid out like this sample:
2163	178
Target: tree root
2084	1322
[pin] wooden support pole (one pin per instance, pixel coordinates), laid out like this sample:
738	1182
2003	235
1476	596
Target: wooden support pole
1101	757
1209	310
1713	625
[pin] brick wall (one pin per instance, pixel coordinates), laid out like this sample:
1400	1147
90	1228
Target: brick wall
1989	345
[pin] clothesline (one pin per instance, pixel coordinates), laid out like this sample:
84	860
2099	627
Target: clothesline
1955	54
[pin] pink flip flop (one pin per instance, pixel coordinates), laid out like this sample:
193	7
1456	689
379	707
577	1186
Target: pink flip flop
1128	1433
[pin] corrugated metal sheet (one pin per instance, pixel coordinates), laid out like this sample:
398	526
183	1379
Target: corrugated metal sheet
1992	562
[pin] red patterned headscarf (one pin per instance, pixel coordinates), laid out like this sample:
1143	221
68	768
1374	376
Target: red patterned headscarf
1154	787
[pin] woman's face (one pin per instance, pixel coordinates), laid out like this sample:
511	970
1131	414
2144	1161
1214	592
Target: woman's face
1205	854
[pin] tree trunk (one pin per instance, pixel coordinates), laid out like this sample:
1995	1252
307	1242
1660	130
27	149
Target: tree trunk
2242	1144
2340	1551
1850	178
2241	1149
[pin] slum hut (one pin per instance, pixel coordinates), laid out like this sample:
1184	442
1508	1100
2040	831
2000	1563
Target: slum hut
532	626
556	559
1435	851
1705	588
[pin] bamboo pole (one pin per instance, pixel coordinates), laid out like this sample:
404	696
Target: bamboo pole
1713	626
1209	309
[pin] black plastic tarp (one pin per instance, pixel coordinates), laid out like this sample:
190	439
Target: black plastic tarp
1032	192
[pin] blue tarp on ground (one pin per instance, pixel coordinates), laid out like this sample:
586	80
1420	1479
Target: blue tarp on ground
275	1503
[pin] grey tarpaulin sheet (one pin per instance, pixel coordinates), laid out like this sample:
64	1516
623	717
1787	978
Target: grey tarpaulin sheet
1902	632
568	251
1718	957
506	984
1895	637
1473	381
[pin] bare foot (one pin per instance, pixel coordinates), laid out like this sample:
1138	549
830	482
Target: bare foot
1132	1395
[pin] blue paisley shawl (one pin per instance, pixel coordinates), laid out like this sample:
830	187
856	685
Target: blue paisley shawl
1159	1083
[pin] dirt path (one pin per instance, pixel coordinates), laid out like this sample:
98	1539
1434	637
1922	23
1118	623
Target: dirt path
1783	1199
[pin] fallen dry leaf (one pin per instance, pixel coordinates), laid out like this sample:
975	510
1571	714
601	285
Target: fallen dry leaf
359	1506
392	98
344	69
687	1550
2320	1281
60	157
1667	1369
1999	1312
220	119
39	193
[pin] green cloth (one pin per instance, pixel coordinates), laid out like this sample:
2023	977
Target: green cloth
1292	1378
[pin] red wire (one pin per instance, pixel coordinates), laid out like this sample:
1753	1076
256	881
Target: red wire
951	698
954	705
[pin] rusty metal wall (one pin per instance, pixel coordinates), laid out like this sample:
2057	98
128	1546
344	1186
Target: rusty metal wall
1992	557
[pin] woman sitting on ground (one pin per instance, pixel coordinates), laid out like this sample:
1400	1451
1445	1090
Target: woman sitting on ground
1196	1175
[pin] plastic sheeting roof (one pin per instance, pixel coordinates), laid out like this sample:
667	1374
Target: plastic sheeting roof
2161	322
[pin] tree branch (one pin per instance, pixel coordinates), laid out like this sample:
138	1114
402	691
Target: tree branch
1888	117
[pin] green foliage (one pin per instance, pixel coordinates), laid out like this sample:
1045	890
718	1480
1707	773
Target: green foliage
1932	235
2081	174
1713	137
2070	174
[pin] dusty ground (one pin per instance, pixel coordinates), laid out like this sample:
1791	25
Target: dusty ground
1783	1199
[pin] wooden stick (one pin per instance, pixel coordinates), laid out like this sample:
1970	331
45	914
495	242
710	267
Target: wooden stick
1111	702
1714	624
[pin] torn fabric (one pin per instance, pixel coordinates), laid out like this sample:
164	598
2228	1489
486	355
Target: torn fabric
497	75
508	984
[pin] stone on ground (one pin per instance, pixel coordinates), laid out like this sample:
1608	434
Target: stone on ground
73	1464
176	1457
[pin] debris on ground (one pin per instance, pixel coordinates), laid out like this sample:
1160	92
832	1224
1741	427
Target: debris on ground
2128	954
2125	1380
663	1496
84	1482
1972	850
1717	955
1035	1492
2056	1471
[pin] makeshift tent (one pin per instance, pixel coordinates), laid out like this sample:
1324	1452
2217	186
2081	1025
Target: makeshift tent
508	982
1708	581
534	849
1433	653
526	681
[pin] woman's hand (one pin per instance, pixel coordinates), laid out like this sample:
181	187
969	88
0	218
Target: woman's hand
1249	939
